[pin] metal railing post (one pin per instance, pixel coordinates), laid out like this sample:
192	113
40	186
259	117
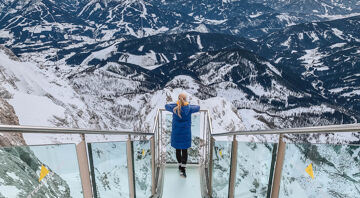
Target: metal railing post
204	141
92	168
233	167
275	189
130	163
84	167
163	140
153	166
212	141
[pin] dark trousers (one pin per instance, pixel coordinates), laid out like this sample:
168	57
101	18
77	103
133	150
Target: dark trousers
181	156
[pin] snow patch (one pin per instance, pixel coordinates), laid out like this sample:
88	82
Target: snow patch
202	28
151	31
352	93
278	60
313	36
337	45
337	90
335	17
312	58
198	40
255	15
301	36
250	119
272	68
287	18
286	43
9	191
214	22
5	34
147	61
33	109
13	175
338	33
101	54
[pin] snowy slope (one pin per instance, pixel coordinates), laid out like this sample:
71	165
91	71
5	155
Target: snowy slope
39	101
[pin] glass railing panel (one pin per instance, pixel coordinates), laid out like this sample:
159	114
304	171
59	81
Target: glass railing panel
194	150
21	167
221	168
321	170
109	169
142	168
253	169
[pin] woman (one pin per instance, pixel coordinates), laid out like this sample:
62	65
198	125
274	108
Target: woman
181	129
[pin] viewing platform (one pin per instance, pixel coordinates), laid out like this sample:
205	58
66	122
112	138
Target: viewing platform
143	164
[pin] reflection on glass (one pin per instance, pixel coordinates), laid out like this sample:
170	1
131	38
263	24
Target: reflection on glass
142	168
336	170
221	168
108	162
253	169
20	171
193	151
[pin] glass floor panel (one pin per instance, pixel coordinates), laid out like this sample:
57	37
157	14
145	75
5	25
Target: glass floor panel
176	186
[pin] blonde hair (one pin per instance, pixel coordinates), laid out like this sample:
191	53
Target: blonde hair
180	103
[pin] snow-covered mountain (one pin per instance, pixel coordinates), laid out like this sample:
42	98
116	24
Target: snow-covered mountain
125	55
45	24
110	64
325	54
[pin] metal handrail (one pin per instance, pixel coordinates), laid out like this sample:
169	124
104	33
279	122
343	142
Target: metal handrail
204	176
35	129
303	130
201	110
280	153
158	176
81	149
156	119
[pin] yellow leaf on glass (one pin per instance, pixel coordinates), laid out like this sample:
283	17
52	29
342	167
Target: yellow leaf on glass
310	171
43	172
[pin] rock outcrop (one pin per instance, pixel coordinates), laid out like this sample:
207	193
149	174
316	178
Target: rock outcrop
8	117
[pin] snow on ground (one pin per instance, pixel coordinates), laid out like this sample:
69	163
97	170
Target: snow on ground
287	18
101	54
255	15
338	33
337	45
278	60
334	16
301	36
147	61
313	36
215	22
5	34
202	28
273	68
35	109
311	109
150	31
312	59
337	90
286	43
352	93
38	102
250	120
9	191
198	40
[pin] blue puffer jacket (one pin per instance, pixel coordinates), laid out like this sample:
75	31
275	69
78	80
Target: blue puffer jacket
181	127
